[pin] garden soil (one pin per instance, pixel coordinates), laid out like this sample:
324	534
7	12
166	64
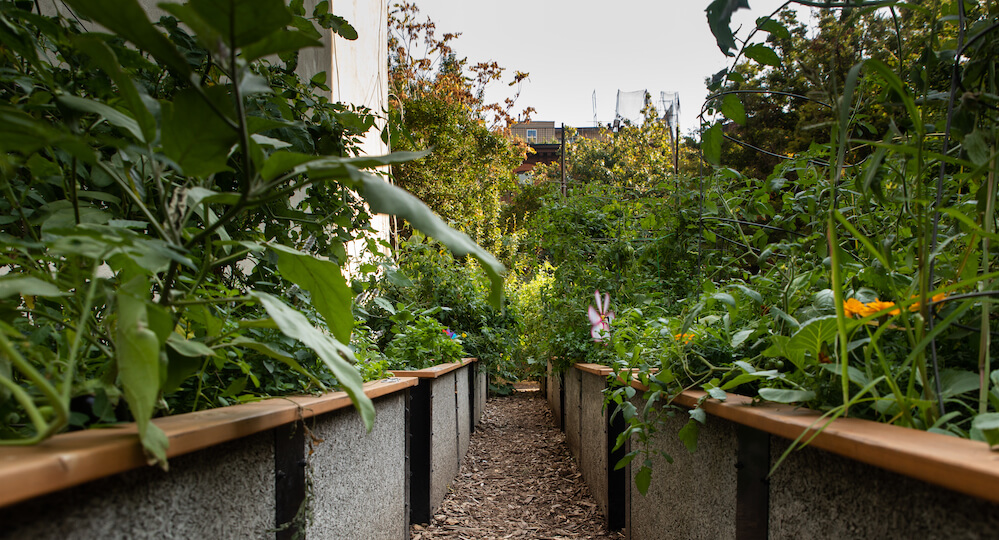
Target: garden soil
517	480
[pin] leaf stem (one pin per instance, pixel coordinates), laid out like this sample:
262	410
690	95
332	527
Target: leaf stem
74	349
41	383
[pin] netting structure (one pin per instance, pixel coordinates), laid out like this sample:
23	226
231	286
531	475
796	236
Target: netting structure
629	107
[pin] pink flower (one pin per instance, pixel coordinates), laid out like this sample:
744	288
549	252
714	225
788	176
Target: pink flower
600	317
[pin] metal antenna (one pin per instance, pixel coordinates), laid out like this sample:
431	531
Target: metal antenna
595	122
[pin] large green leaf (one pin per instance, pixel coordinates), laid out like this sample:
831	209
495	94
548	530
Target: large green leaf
276	353
113	116
62	217
278	43
197	195
189	348
719	14
20	132
643	478
388	199
778	349
988	424
762	54
27	286
138	359
711	144
977	146
901	91
725	298
127	19
105	59
741	336
688	434
328	167
208	36
179	368
812	334
242	22
774	27
954	382
779	395
284	162
330	294
333	353
855	375
194	136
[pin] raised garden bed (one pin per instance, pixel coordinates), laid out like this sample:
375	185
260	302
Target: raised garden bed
237	471
869	479
445	406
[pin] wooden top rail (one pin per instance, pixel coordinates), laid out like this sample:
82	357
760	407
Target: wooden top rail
962	465
595	369
70	459
434	371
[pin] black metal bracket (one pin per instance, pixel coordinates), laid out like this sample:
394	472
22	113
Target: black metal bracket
561	401
473	380
407	423
418	448
752	507
617	480
289	479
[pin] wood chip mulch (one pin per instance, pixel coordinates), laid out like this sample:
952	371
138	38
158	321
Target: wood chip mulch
517	480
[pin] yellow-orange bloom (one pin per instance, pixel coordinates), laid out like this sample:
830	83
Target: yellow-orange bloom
878	305
936	298
684	338
854	307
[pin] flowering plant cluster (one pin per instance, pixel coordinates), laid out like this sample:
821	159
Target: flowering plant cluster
855	308
452	334
600	317
685	338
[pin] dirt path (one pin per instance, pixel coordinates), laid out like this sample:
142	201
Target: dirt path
518	480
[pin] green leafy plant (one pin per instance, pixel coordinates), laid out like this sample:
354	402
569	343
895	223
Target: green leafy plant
856	277
165	195
837	252
437	101
421	343
426	279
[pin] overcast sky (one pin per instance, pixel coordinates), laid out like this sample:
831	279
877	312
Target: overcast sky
573	47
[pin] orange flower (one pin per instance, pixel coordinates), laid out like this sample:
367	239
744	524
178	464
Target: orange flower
936	298
684	338
854	307
878	305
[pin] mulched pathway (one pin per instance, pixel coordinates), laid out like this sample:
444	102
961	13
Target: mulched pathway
518	480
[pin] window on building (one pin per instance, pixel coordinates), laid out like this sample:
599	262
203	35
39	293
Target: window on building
532	135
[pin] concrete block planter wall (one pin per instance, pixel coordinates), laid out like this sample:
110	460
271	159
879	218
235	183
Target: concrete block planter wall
571	402
440	428
593	458
463	410
480	389
373	488
593	440
699	489
235	472
857	479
